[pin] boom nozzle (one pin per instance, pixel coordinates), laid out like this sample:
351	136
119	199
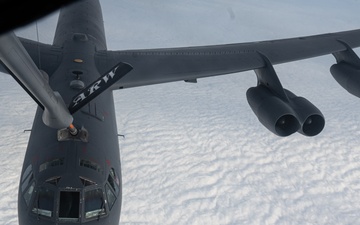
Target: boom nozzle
73	130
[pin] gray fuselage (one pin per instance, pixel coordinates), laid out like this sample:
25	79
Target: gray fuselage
73	181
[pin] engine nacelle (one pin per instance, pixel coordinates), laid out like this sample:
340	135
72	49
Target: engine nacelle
347	76
276	115
285	117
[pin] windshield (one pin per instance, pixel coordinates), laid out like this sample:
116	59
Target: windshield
94	203
69	205
44	204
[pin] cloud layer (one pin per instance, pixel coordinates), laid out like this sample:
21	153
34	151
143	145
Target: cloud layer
195	153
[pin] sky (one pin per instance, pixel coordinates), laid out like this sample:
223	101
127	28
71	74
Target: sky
196	153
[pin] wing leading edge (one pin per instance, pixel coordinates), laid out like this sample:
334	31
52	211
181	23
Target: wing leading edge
189	63
278	109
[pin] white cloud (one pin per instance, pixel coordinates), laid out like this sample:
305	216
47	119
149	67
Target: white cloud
195	154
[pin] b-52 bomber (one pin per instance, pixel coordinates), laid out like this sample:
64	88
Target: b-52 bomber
71	172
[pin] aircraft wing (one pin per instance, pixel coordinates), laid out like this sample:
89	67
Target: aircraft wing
49	59
189	63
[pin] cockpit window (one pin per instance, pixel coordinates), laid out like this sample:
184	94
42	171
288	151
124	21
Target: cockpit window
27	184
52	163
28	193
112	188
26	178
26	172
94	203
87	182
44	204
69	206
110	196
53	180
113	181
91	165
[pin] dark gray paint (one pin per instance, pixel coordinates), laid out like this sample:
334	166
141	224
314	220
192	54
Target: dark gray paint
167	65
98	117
80	35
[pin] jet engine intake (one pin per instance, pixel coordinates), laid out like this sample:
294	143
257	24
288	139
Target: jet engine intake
348	76
276	115
284	117
311	119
